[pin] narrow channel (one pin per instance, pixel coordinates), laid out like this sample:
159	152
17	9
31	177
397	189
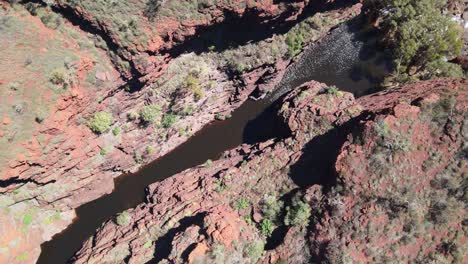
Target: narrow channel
355	68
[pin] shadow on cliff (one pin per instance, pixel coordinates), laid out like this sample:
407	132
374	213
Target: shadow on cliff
317	163
164	243
238	30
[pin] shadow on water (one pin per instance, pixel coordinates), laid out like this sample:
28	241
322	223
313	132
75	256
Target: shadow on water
252	122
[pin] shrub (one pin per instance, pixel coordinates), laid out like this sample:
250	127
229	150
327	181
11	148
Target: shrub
103	152
100	122
271	207
14	86
60	77
207	163
169	120
116	131
150	113
294	42
334	90
138	157
133	116
266	227
242	203
254	250
298	213
193	83
27	219
150	150
123	219
22	257
440	68
188	110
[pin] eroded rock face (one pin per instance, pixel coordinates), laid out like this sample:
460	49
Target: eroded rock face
401	183
141	31
62	164
398	192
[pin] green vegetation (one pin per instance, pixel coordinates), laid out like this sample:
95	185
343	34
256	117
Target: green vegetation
61	77
220	186
271	208
123	218
298	213
207	163
391	139
116	131
138	158
150	113
132	116
103	152
193	84
266	227
28	219
123	18
150	150
13	86
242	203
295	42
423	37
169	120
254	250
22	257
334	90
100	122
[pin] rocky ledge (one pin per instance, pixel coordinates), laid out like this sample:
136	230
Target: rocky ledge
377	179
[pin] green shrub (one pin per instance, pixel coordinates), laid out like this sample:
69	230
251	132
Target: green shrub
116	131
150	113
150	149
188	110
440	68
138	157
207	163
123	218
242	203
334	90
13	86
271	207
103	152
266	227
169	120
61	77
28	219
254	250
133	116
193	83
294	40
298	213
22	257
100	122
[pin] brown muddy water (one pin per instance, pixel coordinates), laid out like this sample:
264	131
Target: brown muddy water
348	58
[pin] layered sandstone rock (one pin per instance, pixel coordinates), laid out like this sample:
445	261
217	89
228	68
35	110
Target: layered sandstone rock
367	180
62	164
